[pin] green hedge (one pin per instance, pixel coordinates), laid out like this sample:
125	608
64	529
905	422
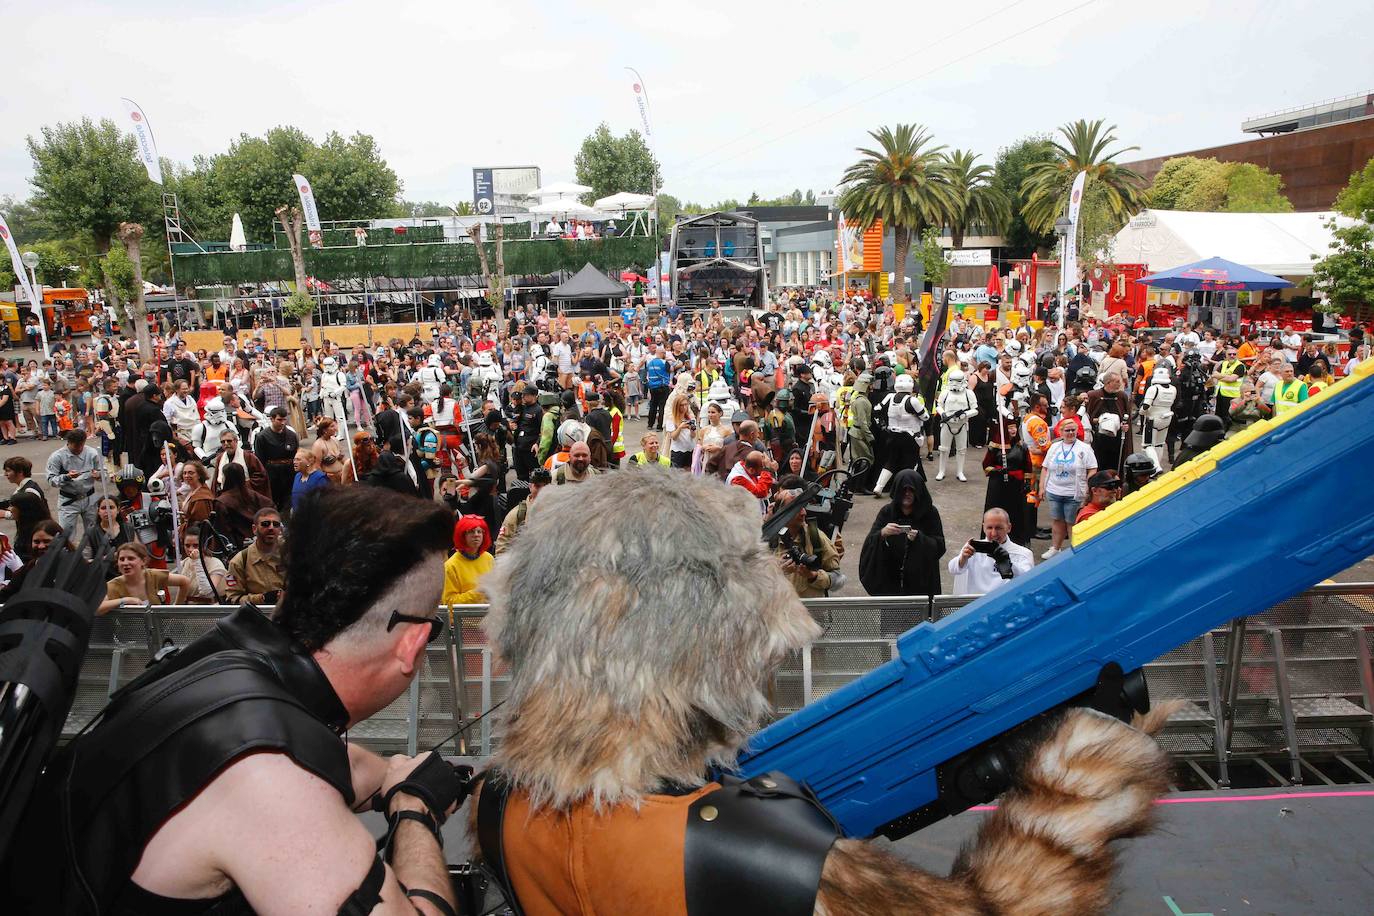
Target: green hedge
342	238
543	256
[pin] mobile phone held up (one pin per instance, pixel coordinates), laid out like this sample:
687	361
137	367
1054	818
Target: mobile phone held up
981	545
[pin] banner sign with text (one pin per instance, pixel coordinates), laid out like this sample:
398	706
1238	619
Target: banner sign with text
968	257
20	270
143	137
1068	272
311	212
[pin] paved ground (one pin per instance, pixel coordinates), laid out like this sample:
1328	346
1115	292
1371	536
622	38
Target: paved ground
960	505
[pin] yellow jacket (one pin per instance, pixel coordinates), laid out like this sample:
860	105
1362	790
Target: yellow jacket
460	578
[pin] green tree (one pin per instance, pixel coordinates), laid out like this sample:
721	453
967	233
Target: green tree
1190	183
27	221
932	257
89	180
426	208
253	179
118	277
609	164
1356	199
1013	165
1346	276
60	262
981	202
904	182
1085	149
668	209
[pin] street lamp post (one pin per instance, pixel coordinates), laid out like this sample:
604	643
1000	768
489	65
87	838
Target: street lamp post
31	260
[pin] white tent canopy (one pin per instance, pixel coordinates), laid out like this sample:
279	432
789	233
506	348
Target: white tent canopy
1278	243
568	207
625	200
561	189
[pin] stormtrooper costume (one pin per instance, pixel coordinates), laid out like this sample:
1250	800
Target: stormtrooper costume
430	377
719	394
1158	410
1013	405
905	415
333	391
823	371
956	407
205	435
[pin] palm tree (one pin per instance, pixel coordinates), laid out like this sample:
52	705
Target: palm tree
1047	184
905	183
981	203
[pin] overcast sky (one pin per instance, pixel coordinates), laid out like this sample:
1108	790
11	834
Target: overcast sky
763	96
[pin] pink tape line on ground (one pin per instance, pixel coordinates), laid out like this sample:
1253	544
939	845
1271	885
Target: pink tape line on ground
1236	798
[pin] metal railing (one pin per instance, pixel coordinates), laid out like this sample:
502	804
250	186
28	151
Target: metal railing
1293	684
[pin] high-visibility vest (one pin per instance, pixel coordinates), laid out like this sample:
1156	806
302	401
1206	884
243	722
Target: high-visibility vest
643	460
1230	367
1287	395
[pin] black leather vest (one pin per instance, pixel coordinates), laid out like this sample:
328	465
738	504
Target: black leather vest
244	686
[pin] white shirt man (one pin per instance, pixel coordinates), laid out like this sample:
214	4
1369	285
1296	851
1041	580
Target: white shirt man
976	573
181	411
1292	344
1360	356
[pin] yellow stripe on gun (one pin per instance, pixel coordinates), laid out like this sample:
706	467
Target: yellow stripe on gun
1199	467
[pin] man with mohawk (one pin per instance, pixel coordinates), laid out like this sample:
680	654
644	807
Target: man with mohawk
639	665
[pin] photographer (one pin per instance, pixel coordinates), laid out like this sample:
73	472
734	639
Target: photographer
810	561
987	564
221	781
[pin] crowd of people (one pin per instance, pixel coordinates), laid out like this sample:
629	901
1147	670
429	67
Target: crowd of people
197	455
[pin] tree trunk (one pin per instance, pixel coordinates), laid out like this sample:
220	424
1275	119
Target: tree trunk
293	221
956	234
901	249
131	235
488	280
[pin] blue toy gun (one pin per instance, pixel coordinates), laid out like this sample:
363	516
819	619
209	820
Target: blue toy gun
1255	520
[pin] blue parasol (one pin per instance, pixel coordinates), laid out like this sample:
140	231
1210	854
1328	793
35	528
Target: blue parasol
1214	274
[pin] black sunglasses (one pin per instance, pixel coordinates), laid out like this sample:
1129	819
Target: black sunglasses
436	623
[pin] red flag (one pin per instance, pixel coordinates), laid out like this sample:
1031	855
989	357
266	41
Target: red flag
994	286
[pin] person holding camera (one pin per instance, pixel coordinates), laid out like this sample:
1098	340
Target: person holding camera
257	573
901	554
987	563
809	559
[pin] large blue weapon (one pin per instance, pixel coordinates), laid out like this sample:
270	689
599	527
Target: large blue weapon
1260	517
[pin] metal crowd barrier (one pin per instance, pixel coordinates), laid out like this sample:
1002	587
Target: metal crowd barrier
1285	690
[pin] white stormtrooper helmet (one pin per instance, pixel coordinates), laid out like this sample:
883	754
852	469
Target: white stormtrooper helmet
1161	376
821	360
719	391
1013	348
1109	424
1021	375
330	364
957	380
571	431
435	362
904	384
484	359
215	413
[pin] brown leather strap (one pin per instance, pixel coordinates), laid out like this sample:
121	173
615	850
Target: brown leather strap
491	817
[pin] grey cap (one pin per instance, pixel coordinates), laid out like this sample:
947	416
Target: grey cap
739	416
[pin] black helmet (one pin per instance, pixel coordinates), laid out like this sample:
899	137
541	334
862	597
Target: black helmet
541	476
130	474
1139	463
1085	377
1208	430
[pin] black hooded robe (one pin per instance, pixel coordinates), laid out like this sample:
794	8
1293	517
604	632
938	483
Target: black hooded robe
898	565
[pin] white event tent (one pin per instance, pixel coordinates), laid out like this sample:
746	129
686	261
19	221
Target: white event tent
1277	243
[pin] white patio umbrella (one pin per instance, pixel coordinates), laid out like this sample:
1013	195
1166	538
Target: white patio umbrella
238	241
625	200
565	206
561	189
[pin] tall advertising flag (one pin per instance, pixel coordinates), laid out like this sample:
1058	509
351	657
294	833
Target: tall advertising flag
1068	270
851	246
143	135
642	101
312	213
20	270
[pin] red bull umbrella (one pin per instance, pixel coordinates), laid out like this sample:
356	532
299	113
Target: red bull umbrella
1214	274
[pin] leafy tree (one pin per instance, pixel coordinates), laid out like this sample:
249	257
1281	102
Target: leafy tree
60	262
428	208
1013	165
1046	187
981	202
668	209
27	221
131	237
89	180
299	304
904	182
118	276
609	164
349	177
1346	275
1356	199
1190	183
932	257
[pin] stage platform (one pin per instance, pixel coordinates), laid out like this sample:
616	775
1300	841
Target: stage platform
1279	852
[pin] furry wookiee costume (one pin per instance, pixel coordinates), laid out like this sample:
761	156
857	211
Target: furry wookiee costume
639	655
